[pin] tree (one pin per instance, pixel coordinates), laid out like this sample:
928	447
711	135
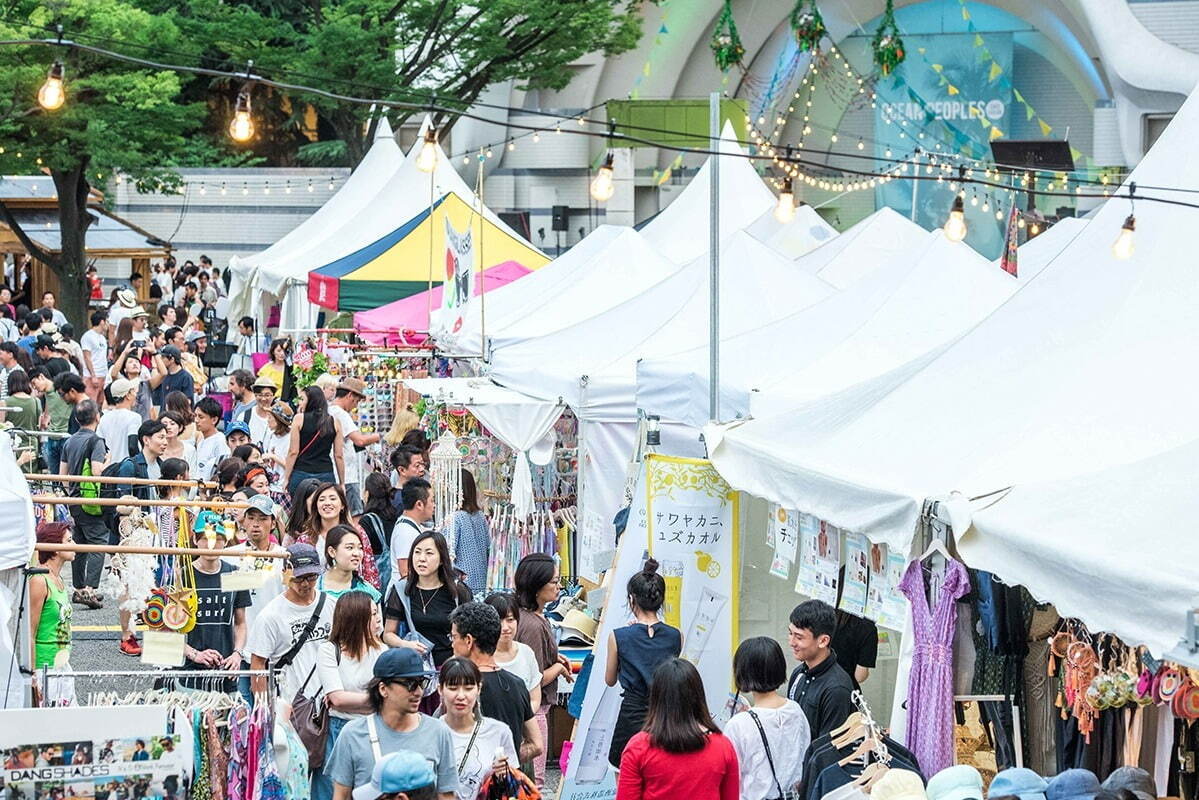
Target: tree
417	50
117	119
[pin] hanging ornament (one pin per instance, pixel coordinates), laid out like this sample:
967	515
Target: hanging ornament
808	25
726	42
445	473
887	44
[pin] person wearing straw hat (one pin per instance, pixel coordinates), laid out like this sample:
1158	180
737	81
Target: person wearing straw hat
122	307
349	393
258	416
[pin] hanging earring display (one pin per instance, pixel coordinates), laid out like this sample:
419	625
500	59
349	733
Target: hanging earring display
445	469
887	44
808	25
726	42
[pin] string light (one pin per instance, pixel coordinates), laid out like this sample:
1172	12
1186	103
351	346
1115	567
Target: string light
224	189
784	212
861	144
602	186
203	189
241	127
245	188
310	189
287	187
53	93
536	137
955	226
330	184
426	159
1122	248
511	145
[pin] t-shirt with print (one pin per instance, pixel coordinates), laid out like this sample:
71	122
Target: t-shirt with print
209	453
214	621
504	697
353	758
96	346
476	764
116	426
278	627
350	456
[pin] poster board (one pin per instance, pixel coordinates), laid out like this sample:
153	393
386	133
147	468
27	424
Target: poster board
688	518
94	752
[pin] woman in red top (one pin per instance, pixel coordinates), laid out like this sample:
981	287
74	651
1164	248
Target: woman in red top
680	753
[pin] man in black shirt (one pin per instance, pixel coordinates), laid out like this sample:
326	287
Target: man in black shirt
474	633
820	686
219	635
170	376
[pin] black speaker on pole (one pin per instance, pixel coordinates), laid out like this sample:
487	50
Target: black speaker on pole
561	218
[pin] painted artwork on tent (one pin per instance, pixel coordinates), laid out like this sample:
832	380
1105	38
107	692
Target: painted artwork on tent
459	270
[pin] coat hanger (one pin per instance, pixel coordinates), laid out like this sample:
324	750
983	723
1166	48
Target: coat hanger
863	749
870	773
852	721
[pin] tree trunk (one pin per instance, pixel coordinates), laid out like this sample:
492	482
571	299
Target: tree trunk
71	266
349	130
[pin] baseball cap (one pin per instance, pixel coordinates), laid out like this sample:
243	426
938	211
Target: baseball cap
898	784
400	662
263	504
205	518
401	771
1073	784
1135	780
170	351
959	782
122	386
237	426
193	336
44	341
303	560
1020	781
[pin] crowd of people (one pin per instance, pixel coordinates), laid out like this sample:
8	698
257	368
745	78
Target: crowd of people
434	683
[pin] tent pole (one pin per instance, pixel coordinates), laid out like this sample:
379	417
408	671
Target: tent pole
714	254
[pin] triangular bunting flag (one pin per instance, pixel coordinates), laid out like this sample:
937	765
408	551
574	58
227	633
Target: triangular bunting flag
995	133
663	176
1029	112
937	67
1019	97
920	50
978	40
952	89
1045	126
1076	154
973	111
965	14
663	29
645	69
996	71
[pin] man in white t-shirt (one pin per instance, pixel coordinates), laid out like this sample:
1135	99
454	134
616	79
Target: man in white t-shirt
95	354
120	422
350	392
258	417
417	498
280	626
122	308
212	447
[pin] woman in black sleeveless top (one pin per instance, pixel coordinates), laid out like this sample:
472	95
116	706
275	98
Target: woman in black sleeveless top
316	442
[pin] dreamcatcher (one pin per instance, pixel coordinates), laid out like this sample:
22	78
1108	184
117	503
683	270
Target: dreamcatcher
887	44
131	578
172	605
808	25
726	42
445	473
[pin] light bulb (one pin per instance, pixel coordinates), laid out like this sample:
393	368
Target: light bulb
861	144
426	159
784	212
1122	248
602	187
998	214
511	146
52	94
955	226
241	127
536	137
1034	229
888	153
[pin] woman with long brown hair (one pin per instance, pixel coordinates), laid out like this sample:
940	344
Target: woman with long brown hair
471	536
327	510
344	666
343	563
680	752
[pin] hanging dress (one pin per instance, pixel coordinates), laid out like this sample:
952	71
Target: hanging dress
930	685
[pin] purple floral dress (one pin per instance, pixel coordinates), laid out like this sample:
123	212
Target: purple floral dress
930	685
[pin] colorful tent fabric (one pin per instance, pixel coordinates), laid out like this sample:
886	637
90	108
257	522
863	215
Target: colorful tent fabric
406	321
404	261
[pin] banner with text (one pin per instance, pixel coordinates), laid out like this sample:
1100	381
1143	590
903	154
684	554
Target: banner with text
687	517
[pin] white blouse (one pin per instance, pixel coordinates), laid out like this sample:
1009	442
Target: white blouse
348	675
787	732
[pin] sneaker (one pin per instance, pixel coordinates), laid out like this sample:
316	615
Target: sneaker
130	646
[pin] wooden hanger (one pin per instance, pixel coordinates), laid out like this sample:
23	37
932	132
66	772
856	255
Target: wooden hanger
852	721
862	750
872	769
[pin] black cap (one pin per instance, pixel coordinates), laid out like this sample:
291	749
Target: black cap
170	351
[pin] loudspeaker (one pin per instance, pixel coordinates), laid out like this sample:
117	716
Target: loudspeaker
561	218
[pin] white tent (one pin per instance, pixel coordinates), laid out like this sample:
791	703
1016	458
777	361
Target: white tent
680	231
360	190
16	549
1084	370
761	287
606	268
806	232
675	386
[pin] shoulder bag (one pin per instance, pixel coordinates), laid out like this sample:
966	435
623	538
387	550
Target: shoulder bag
309	715
784	794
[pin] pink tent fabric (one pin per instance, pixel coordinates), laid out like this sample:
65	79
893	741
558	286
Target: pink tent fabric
406	321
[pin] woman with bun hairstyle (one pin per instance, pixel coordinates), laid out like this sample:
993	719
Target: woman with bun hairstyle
636	650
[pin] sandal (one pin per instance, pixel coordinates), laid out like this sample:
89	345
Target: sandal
91	600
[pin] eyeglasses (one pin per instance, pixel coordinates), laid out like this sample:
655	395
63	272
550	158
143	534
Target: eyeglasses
304	578
412	684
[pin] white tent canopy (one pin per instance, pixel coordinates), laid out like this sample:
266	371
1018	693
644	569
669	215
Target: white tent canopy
360	190
891	249
680	232
1082	370
606	268
669	316
803	234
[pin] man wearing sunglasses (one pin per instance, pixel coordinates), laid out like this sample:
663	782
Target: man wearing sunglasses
395	692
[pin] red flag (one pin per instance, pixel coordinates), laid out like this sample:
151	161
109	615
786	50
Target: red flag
1011	242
